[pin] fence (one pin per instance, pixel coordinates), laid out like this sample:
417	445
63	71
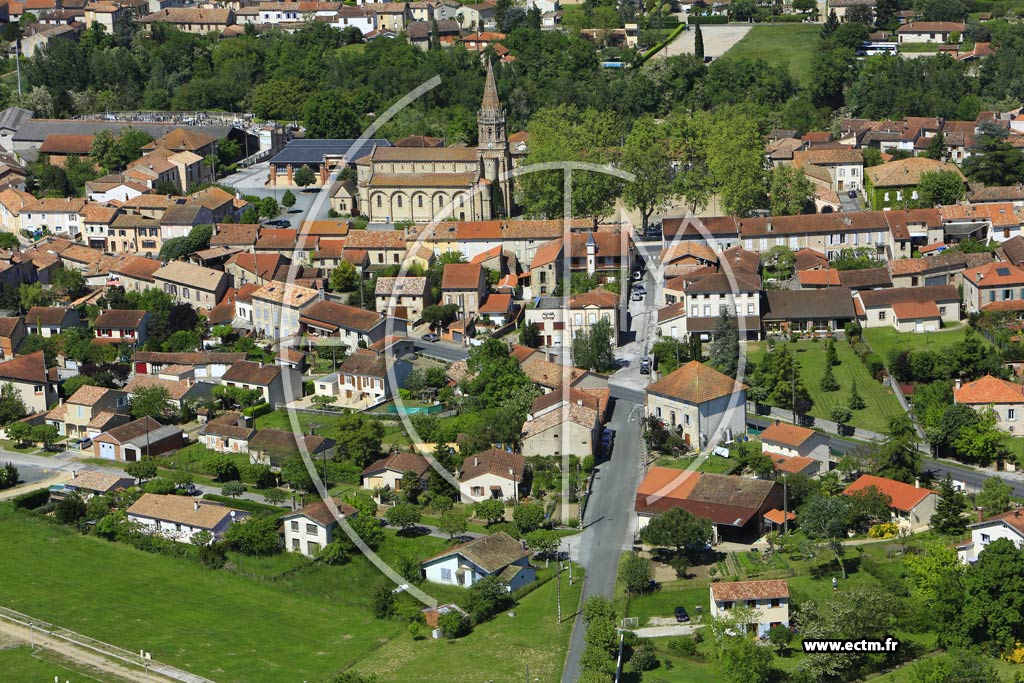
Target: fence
105	649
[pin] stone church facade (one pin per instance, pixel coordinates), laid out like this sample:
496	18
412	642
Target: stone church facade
423	184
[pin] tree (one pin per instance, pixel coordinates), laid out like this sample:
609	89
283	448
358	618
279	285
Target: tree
943	10
635	574
867	506
993	498
12	408
367	528
698	44
256	535
528	516
595	349
955	666
993	160
329	114
486	597
453	523
149	401
274	496
529	335
855	401
344	278
780	636
827	518
19	432
899	458
70	283
70	510
790	191
288	199
941	187
453	624
46	435
440	317
33	295
993	595
932	571
675	529
323	402
948	518
491	510
828	381
544	542
831	356
841	415
233	489
644	156
141	469
382	599
303	177
830	25
725	349
735	161
743	661
404	515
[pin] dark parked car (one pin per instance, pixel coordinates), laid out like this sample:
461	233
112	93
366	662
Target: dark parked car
645	366
852	194
431	337
280	223
681	615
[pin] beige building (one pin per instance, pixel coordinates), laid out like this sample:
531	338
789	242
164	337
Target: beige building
993	287
309	529
277	306
556	426
27	374
700	404
558	323
464	285
768	599
1004	398
410	293
492	474
916	309
188	283
93	410
912	506
423	184
387	474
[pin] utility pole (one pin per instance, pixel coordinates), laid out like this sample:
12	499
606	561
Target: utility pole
792	375
558	590
785	505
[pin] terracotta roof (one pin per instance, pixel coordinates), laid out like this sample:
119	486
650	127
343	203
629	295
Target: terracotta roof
280	443
791	463
9	325
401	286
290	296
995	275
736	591
695	382
424	153
278	238
609	244
88	395
375	239
176	389
1013	518
180	272
776	516
491	553
595	298
98	213
331	227
399	462
231	425
495	462
681	250
867	278
192	512
871	298
183	139
462	276
232	234
91	480
547	253
1012	250
819	157
915	310
786	434
547	374
189	15
261	265
582	415
364	363
906	171
247	372
40	315
931	27
672	311
188	358
56	143
727	500
988	390
321	514
1000	214
333	315
119	319
819	278
904	496
950	260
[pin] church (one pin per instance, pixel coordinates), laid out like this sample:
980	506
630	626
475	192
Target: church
422	184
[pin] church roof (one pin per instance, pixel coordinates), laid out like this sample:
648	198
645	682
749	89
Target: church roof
490	104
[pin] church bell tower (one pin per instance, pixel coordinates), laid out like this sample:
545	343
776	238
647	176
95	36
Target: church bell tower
492	147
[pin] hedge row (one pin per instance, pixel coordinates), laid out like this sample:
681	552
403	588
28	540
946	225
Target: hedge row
245	504
31	499
707	20
258	410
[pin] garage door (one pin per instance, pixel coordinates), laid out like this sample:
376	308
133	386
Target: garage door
107	451
918	327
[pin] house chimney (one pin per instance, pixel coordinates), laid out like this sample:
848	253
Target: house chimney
981	514
476	462
957	383
195	504
917	483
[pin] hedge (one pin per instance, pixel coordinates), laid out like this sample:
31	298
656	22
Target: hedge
660	46
707	20
244	504
258	410
31	499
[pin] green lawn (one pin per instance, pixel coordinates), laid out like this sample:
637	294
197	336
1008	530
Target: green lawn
883	340
23	665
881	404
499	650
791	45
714	463
279	419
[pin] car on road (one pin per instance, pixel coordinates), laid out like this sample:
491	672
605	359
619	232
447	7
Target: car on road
852	194
83	443
645	365
431	337
280	223
607	439
681	615
190	490
638	296
638	288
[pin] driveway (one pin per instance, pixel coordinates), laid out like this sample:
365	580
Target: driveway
717	40
665	631
253	180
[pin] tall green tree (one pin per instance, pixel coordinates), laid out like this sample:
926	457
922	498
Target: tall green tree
644	156
941	187
698	43
994	496
948	518
827	518
736	161
993	160
676	529
790	192
725	348
898	457
594	349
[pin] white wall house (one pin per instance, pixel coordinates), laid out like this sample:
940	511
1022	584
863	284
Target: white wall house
768	599
309	529
1008	525
179	518
494	555
696	401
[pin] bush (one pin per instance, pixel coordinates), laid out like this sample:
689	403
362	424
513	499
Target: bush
160	485
692	20
643	659
308	387
243	504
874	364
383	601
453	624
258	410
31	499
685	647
257	535
884	530
258	475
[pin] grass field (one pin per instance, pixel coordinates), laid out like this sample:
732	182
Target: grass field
881	404
883	340
279	419
791	45
23	665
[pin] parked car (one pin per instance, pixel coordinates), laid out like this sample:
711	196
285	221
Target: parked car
681	615
279	223
190	490
607	439
645	365
638	296
83	443
431	337
852	194
638	288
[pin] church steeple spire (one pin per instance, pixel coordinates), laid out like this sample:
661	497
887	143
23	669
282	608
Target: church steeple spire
491	106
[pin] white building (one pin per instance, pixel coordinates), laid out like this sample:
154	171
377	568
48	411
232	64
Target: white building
309	529
179	518
696	401
491	474
1003	397
768	599
495	555
276	308
1008	525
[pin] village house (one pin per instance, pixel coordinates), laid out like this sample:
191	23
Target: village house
347	324
497	555
277	384
993	286
12	332
59	216
188	283
545	270
843	169
699	403
278	306
735	505
311	528
363	379
226	433
243	235
492	474
791	441
558	324
1007	525
930	32
193	19
135	274
382	247
388	473
27	374
894	185
51	321
272	447
464	285
411	293
708	295
89	412
1004	398
89	483
179	518
912	506
570	424
138	439
920	309
208	365
121	327
768	599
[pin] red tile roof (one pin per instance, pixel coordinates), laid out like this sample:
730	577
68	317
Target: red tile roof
462	276
695	383
988	390
905	497
786	434
735	591
27	368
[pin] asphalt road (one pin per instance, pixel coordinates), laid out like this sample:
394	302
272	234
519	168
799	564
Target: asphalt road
972	478
608	521
442	350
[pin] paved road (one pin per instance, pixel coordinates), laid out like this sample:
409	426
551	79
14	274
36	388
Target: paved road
442	350
608	521
972	478
717	40
666	630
